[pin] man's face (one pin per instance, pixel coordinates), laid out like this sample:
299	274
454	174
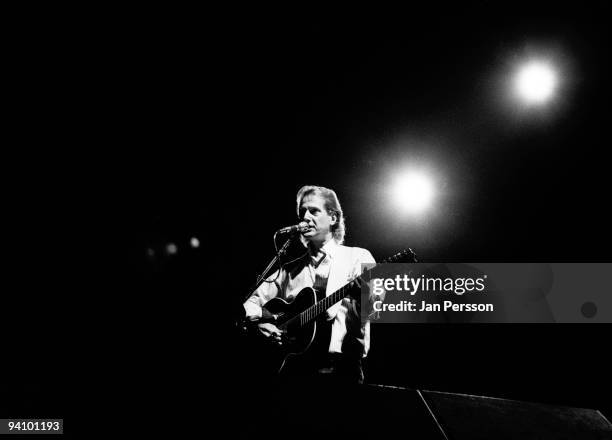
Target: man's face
312	211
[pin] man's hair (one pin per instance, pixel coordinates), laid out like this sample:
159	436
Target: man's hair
331	204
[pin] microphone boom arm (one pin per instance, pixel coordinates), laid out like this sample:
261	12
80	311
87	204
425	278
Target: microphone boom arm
260	279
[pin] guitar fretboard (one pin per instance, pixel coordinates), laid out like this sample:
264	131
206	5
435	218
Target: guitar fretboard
317	309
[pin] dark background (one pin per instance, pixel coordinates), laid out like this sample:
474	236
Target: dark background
337	100
231	129
206	123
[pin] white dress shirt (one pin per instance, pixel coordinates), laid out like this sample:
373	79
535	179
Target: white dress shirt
334	266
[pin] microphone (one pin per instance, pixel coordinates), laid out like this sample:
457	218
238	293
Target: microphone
301	227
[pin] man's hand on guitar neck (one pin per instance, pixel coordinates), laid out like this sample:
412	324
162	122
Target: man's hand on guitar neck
269	330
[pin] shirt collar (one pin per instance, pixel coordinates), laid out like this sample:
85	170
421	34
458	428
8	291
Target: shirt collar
330	248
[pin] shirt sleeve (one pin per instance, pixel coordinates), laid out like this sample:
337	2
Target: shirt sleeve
365	257
356	327
264	293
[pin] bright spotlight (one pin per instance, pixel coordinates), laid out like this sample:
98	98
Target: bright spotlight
536	82
195	243
413	192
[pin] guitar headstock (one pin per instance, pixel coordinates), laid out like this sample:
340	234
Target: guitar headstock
405	256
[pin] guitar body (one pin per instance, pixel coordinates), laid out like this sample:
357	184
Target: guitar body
299	338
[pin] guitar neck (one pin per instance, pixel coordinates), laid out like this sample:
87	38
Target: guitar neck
317	309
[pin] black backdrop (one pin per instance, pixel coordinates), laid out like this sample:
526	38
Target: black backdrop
330	99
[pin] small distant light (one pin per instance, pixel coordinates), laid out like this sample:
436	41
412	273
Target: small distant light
171	249
195	243
150	253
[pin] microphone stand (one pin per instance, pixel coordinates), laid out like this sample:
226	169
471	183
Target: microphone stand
260	279
242	323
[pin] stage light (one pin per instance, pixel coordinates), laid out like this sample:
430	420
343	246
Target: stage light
195	243
171	249
536	82
413	192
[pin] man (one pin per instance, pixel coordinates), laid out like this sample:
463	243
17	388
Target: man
326	266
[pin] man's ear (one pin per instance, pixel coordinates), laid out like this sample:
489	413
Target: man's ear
334	217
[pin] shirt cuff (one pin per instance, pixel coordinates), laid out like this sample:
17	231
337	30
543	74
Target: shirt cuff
252	309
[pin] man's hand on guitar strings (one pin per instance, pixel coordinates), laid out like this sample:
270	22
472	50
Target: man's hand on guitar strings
269	330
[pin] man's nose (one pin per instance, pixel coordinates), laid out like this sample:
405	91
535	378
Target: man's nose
307	216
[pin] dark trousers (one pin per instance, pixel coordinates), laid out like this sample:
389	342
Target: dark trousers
321	399
328	369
